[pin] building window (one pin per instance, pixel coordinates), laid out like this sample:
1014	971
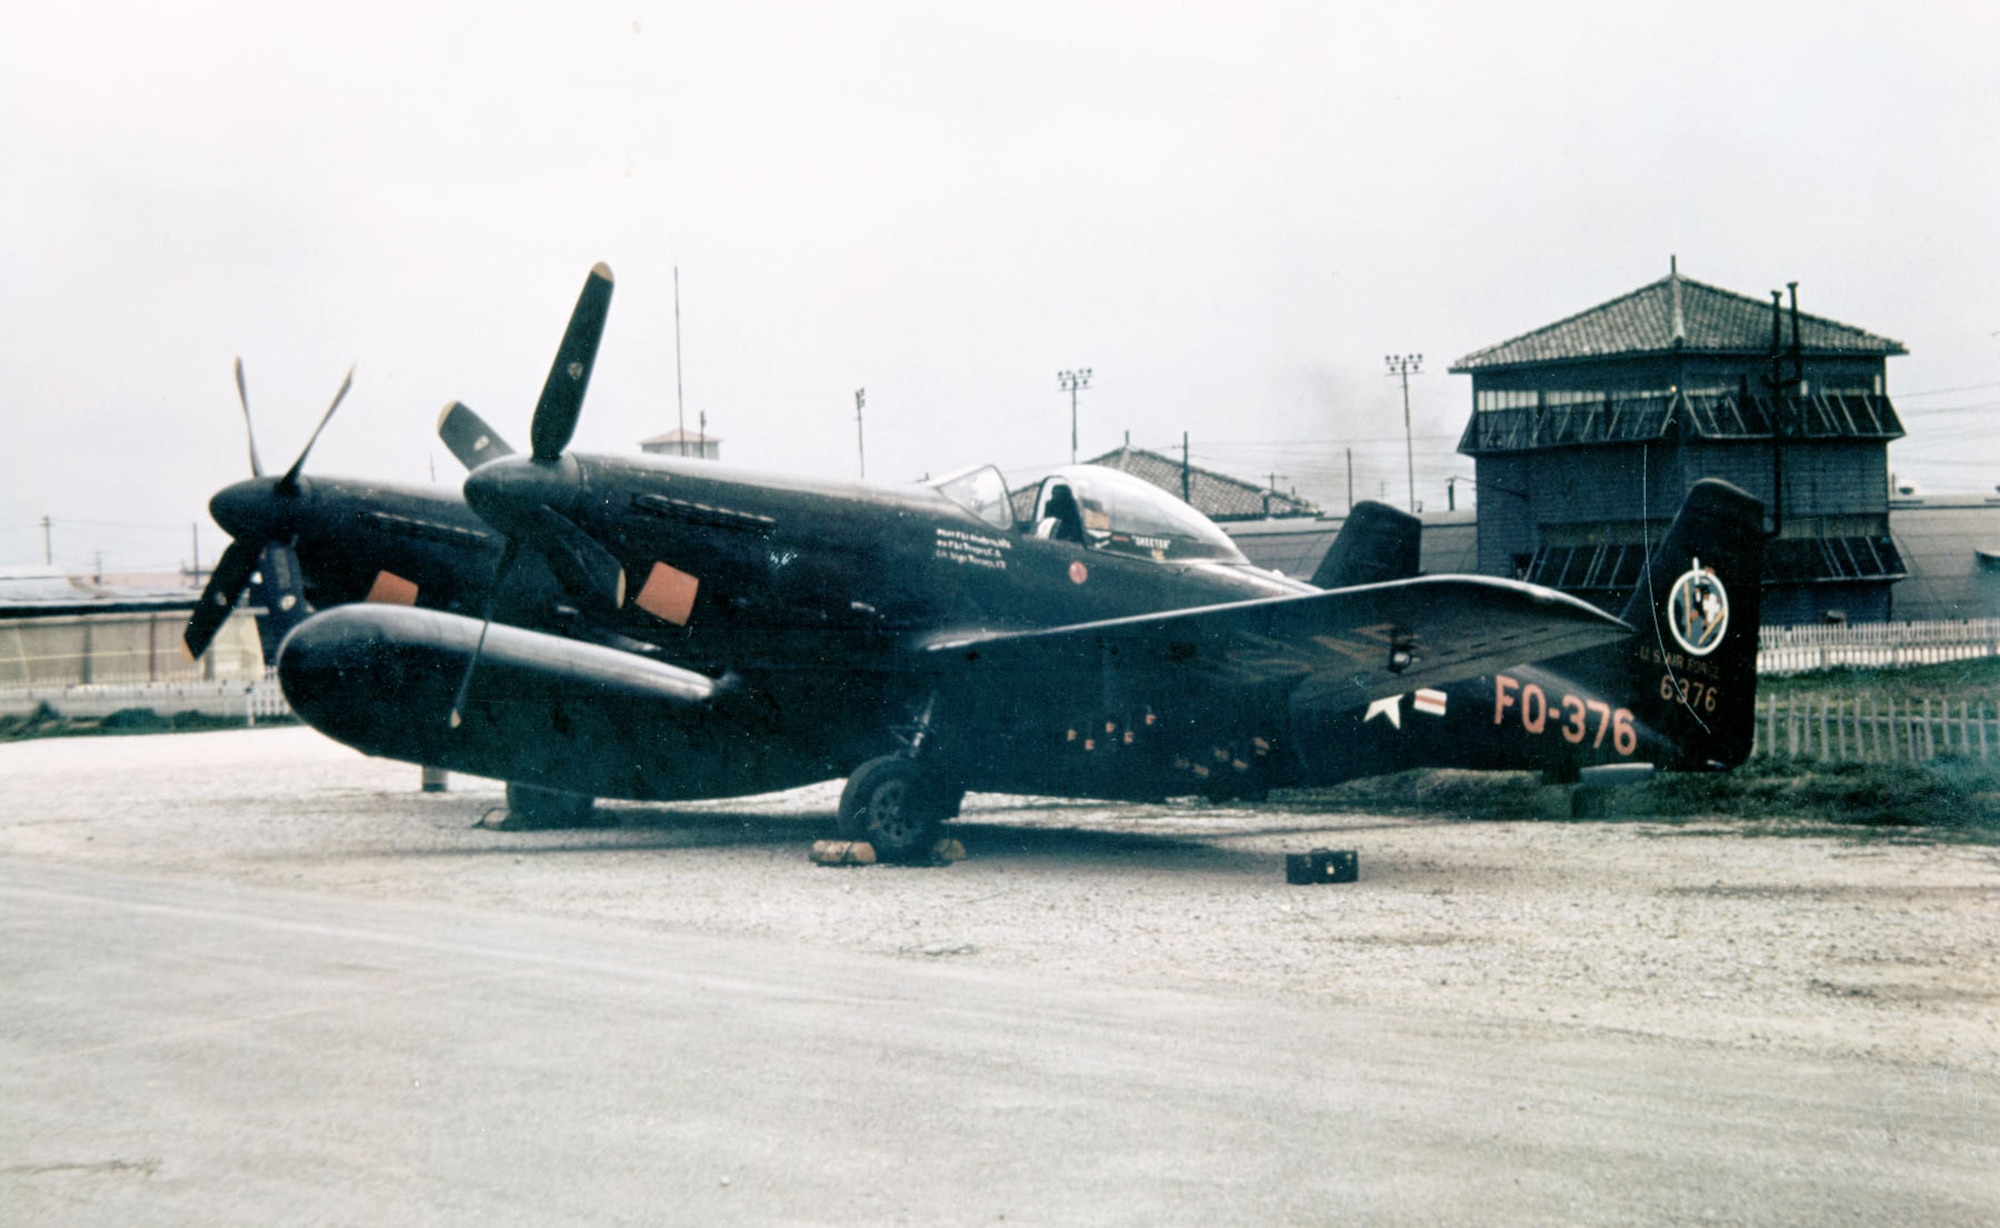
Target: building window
1491	399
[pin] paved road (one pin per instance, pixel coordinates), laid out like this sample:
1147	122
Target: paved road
173	1051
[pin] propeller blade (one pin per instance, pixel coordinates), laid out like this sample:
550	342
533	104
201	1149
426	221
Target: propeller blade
283	591
562	396
225	585
508	554
290	482
585	568
469	438
243	395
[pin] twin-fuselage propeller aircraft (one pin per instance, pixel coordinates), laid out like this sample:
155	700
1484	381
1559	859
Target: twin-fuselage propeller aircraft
659	629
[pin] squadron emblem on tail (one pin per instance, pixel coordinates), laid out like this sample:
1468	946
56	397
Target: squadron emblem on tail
1698	609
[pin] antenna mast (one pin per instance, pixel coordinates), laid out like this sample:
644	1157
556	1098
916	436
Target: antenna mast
680	404
860	443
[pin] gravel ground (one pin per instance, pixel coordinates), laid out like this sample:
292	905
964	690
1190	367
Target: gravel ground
1775	935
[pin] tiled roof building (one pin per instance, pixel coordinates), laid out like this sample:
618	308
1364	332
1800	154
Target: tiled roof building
683	443
1586	433
1215	495
1673	314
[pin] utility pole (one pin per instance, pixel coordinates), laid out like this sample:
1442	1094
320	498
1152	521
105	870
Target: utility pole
48	546
194	568
1402	365
1073	382
860	440
680	401
1186	484
1350	479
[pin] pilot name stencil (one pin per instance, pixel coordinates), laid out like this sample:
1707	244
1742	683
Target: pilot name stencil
974	549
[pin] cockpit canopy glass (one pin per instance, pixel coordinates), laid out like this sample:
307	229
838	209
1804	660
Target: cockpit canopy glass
981	491
1114	511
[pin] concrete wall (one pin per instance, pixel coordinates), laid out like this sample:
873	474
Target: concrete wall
119	648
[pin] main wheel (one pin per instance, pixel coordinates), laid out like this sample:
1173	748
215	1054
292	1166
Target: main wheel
892	804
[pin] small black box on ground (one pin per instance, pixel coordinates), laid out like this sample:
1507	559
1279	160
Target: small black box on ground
1323	866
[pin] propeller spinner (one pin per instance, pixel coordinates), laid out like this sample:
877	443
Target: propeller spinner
249	511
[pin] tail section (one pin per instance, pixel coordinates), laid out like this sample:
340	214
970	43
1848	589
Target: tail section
1691	666
1376	544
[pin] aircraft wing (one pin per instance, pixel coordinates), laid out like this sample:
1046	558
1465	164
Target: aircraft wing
1343	648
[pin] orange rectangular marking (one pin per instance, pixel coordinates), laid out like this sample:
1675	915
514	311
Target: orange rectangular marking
392	589
669	594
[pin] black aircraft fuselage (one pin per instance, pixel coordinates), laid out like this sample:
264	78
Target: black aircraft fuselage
810	604
758	570
923	641
804	628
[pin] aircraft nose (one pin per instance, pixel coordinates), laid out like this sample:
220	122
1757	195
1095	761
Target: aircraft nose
248	510
507	492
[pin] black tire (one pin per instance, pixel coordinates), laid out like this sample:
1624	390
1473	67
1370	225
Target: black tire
893	805
532	808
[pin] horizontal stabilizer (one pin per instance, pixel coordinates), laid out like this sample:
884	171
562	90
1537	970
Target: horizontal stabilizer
1343	648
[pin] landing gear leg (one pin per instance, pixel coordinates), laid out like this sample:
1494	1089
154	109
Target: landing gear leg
531	808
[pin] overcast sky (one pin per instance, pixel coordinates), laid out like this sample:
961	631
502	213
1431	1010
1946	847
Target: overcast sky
1230	212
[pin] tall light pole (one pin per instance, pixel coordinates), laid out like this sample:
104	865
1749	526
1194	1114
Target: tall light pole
1073	382
1402	365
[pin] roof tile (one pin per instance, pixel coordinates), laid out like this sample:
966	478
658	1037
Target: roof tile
1673	312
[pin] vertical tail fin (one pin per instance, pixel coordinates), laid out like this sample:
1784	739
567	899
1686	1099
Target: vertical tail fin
1377	543
1693	661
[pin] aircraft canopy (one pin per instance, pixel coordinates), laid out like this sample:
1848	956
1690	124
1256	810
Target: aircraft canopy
1106	509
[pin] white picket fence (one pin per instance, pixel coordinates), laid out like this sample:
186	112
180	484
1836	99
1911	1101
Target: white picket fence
250	699
1791	650
1872	729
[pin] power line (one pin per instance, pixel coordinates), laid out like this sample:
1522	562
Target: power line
1327	441
1933	411
1935	392
119	524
